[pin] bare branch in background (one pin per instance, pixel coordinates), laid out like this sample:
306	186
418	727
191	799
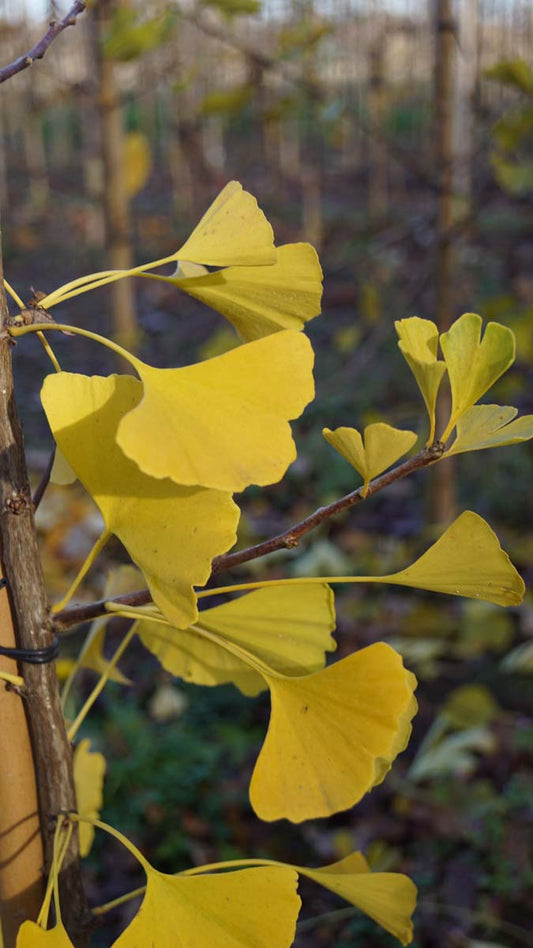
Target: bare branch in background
38	51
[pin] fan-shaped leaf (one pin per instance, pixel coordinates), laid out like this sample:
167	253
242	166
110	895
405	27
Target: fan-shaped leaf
490	426
467	560
262	300
222	423
89	772
287	627
418	341
474	364
370	455
232	232
251	908
31	935
387	897
171	532
332	735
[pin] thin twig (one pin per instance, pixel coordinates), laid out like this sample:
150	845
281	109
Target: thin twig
45	480
38	51
288	540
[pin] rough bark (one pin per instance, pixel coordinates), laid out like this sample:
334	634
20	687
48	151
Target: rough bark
29	616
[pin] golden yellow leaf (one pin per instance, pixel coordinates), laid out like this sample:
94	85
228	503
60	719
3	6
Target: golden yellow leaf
222	423
250	908
137	162
89	772
490	426
418	341
467	560
387	897
260	300
332	735
474	364
370	455
287	627
171	532
232	232
31	935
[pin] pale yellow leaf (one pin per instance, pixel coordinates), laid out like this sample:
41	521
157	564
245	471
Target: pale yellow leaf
223	423
89	772
61	472
387	897
490	426
474	363
332	735
260	300
171	532
232	232
287	627
250	908
370	455
31	935
467	560
137	162
418	341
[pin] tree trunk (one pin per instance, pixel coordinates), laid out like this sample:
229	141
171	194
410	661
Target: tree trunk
443	501
116	199
37	717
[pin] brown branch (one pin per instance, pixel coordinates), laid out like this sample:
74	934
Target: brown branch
45	480
38	51
288	540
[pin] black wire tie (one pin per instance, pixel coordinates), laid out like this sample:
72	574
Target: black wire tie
33	656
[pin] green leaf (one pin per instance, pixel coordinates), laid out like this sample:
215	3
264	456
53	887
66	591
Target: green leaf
418	341
454	754
474	364
288	627
370	455
171	532
332	735
251	908
512	72
516	177
223	423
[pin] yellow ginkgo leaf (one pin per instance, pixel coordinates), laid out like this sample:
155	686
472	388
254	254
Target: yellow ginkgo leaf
171	532
137	162
61	472
387	897
287	627
332	735
232	232
123	579
260	300
370	455
89	772
467	560
490	426
418	341
250	908
474	364
31	935
223	423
